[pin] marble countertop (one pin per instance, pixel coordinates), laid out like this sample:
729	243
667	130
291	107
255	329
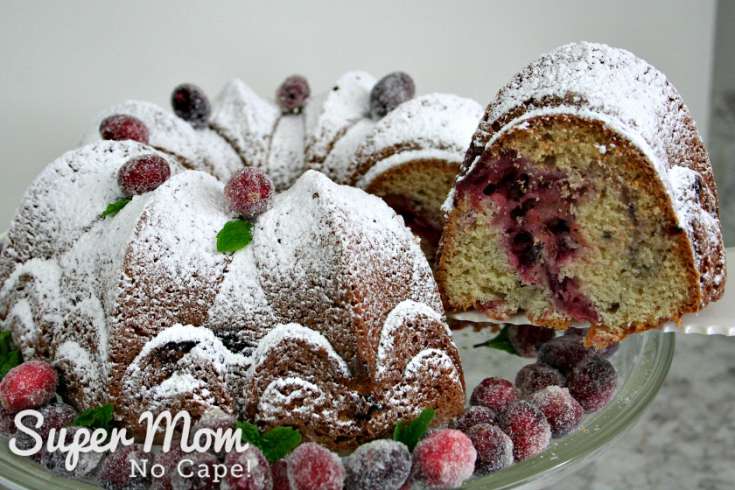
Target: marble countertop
686	440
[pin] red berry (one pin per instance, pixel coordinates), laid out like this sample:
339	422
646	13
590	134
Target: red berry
54	416
214	418
279	471
494	448
313	467
390	91
191	474
476	414
116	474
123	127
537	376
526	339
527	428
378	465
191	104
292	94
249	192
28	385
143	174
55	461
494	393
593	382
443	459
255	474
563	353
561	410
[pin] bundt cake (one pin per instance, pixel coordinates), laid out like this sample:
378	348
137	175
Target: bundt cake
329	320
585	196
410	156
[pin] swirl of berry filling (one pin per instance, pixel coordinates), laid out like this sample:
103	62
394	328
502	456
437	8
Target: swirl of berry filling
534	207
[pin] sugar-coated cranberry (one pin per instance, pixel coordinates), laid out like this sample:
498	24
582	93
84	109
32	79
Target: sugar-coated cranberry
7	422
476	414
249	192
196	471
120	127
86	465
494	448
116	473
563	353
313	467
55	416
378	465
527	427
28	385
536	376
391	91
169	460
279	471
214	419
143	174
592	383
526	339
494	393
256	474
292	94
191	104
443	459
561	410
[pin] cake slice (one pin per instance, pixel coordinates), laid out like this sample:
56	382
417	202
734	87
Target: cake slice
586	196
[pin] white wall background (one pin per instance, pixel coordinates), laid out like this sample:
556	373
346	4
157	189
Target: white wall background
62	62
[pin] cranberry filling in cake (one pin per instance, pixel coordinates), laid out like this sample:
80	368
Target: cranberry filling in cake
534	208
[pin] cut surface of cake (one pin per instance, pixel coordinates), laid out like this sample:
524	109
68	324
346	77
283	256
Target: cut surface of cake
585	196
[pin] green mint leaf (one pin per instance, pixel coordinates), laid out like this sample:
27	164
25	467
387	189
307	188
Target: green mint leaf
9	355
275	444
279	442
234	236
500	342
115	206
410	433
96	417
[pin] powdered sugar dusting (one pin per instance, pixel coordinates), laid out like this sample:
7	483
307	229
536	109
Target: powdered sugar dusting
286	157
433	121
337	164
331	114
246	120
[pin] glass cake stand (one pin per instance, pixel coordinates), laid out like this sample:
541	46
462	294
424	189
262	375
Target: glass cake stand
642	362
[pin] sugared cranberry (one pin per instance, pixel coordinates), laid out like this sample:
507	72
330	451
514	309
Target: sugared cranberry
476	414
527	427
169	460
55	416
563	353
7	422
116	473
249	192
592	382
313	467
390	91
537	376
292	94
443	459
55	461
143	174
255	474
191	104
494	448
28	385
279	471
377	465
561	410
494	393
526	339
120	127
